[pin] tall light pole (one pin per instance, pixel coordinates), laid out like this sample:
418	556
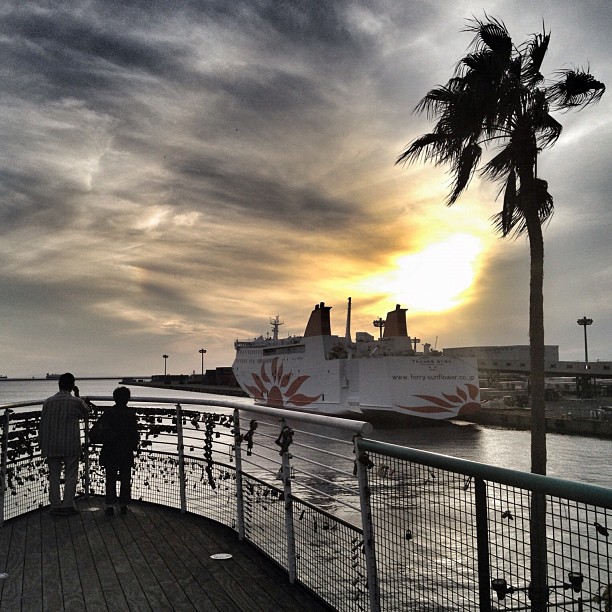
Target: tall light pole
585	322
202	351
165	362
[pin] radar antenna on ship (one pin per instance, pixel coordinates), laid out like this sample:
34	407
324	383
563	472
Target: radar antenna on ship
275	323
380	323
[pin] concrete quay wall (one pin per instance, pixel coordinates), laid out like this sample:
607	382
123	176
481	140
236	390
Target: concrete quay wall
556	421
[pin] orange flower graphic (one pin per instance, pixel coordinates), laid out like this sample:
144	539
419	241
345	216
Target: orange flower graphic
464	402
279	390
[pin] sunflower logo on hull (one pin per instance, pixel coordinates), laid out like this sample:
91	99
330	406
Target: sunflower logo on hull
464	401
279	389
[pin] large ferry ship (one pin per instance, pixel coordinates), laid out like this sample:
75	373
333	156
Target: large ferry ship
328	374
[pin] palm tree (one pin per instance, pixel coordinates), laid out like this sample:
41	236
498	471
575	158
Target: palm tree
498	99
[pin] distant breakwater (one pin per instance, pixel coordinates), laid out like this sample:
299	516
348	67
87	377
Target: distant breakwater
196	388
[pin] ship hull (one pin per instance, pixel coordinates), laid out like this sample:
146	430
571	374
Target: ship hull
309	374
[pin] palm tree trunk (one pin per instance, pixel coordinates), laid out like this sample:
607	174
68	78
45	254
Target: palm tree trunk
536	348
539	591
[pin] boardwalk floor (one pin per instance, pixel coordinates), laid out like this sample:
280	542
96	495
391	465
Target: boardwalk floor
153	558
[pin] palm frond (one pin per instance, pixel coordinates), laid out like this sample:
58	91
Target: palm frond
493	35
548	131
511	221
516	225
428	147
543	200
464	170
435	101
575	89
515	66
499	166
510	201
536	51
481	63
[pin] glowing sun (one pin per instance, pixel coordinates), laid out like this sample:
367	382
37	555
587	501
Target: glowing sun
434	279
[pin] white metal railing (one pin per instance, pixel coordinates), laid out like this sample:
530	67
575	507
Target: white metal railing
364	524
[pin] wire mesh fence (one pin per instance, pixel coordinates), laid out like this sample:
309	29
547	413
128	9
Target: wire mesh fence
365	525
453	538
426	545
330	558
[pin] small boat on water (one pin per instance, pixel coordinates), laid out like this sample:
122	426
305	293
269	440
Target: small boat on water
53	376
328	374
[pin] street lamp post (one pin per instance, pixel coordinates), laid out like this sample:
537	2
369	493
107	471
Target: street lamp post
585	322
202	351
165	362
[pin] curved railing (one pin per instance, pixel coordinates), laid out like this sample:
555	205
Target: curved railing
364	524
229	463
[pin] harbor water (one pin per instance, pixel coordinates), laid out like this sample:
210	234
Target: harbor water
570	457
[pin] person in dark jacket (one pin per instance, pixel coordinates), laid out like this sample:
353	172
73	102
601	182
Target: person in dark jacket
117	454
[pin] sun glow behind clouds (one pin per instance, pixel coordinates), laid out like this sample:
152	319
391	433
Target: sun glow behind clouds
434	279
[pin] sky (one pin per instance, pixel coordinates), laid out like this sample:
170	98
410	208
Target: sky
174	174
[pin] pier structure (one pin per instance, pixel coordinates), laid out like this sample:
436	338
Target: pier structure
514	359
593	369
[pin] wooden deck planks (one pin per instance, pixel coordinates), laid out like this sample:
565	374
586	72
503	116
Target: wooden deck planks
91	585
97	534
51	584
153	558
180	586
221	594
31	593
238	575
15	556
6	532
146	564
72	591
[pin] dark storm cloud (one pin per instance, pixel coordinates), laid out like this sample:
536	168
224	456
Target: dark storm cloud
79	54
25	197
66	55
269	92
72	52
269	198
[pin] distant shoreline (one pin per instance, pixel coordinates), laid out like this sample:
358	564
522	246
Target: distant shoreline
45	379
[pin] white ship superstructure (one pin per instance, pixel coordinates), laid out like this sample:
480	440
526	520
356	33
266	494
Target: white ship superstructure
328	374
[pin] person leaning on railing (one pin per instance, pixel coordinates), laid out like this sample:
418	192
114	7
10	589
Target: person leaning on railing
59	436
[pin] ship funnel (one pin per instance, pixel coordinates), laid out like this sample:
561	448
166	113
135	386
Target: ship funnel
395	325
319	323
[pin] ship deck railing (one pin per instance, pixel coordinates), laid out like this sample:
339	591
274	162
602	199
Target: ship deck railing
362	524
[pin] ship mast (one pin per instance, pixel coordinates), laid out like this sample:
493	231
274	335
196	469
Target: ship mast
275	323
347	335
380	323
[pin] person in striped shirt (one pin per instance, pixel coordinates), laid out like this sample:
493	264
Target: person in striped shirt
59	436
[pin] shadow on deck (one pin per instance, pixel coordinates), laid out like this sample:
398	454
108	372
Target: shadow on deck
153	558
